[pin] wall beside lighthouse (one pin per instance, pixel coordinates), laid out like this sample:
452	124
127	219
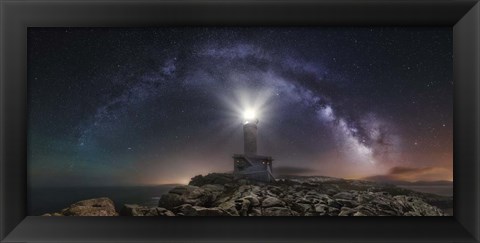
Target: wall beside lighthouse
255	167
250	138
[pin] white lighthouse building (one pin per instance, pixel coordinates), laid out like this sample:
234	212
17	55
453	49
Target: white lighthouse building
250	165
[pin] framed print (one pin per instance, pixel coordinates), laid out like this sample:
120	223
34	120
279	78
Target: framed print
130	108
291	112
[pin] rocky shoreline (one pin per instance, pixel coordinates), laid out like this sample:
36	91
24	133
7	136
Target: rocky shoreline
218	194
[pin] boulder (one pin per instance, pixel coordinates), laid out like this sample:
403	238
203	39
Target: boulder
333	211
243	206
201	211
189	210
170	201
193	195
324	210
412	206
347	203
255	212
229	207
253	199
91	207
345	211
333	203
272	202
212	178
366	210
136	210
344	195
321	209
359	214
274	190
276	211
300	207
213	190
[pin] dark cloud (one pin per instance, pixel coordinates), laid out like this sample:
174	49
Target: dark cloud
412	174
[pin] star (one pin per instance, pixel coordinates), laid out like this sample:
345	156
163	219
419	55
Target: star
327	98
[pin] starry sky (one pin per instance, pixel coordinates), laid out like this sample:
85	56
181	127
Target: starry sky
125	106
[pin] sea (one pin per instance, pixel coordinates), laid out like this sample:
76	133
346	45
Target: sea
43	200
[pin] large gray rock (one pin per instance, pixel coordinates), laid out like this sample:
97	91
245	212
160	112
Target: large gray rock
136	210
344	195
193	195
253	199
272	202
276	211
189	210
323	210
170	201
333	203
243	206
213	178
347	203
412	206
91	207
229	207
347	212
300	207
256	211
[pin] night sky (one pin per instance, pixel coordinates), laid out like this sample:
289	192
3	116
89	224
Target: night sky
160	105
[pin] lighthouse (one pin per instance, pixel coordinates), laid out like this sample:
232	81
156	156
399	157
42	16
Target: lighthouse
250	137
250	165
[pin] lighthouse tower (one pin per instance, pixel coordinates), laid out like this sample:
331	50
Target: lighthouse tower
250	137
249	165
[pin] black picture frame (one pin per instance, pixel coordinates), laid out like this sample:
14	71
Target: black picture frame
17	16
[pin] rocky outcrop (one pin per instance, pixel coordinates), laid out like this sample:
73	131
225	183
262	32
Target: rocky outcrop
189	210
192	195
220	195
212	178
299	196
137	210
91	207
